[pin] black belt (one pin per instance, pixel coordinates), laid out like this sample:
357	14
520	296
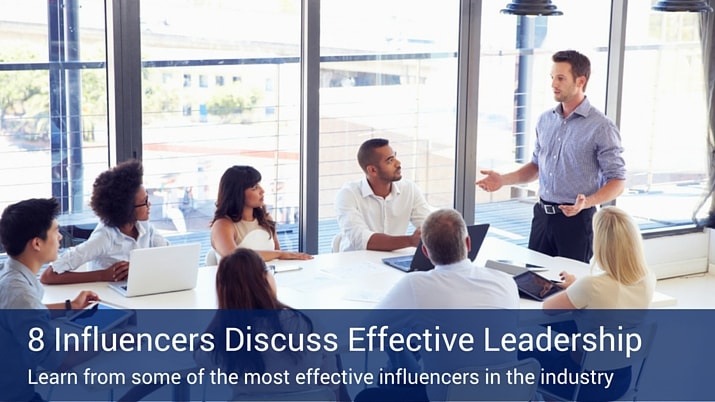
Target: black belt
551	208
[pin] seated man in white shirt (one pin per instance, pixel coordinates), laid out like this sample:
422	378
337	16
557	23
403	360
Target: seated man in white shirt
374	212
454	283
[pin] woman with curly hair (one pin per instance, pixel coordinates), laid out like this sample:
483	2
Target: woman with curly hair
241	219
122	204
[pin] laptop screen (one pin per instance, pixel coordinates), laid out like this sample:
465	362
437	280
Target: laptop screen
420	262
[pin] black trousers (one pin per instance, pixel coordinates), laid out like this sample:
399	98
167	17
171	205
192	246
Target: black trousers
562	236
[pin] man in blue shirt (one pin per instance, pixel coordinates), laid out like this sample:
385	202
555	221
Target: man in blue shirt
577	159
30	235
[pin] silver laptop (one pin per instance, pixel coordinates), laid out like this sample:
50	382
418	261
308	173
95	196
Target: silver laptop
160	270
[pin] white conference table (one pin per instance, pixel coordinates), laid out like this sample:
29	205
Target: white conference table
349	280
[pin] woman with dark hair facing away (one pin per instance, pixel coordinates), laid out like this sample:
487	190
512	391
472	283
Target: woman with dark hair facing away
241	219
247	298
122	204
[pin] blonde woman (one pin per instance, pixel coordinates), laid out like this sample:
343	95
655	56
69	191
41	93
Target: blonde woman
625	281
622	281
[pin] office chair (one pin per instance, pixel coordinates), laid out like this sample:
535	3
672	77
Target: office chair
211	258
335	245
512	392
600	361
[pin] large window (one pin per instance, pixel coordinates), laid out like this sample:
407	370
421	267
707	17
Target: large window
515	88
664	117
388	70
220	88
221	85
53	136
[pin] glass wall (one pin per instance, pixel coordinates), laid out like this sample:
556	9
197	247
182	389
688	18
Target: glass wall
53	104
515	88
221	84
395	80
664	117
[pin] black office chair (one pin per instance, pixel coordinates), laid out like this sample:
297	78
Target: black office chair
600	361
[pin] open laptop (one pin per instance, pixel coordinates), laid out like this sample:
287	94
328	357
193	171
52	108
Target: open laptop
420	262
160	270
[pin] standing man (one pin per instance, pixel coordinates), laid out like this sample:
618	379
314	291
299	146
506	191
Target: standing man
577	159
373	212
419	299
30	235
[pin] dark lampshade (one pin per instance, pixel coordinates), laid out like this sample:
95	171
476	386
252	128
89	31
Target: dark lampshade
531	7
700	6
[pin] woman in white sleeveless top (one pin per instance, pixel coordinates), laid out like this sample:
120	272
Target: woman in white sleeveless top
241	219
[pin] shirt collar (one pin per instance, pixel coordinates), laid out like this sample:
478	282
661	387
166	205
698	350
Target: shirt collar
465	264
583	109
366	190
140	225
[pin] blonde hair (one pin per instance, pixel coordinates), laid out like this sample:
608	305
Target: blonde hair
618	246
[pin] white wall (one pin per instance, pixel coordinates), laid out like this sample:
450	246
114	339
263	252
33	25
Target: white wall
678	255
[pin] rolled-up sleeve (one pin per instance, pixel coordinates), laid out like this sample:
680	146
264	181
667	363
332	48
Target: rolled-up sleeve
420	208
609	154
74	257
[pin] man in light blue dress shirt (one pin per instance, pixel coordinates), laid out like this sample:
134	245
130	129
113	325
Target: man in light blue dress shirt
577	159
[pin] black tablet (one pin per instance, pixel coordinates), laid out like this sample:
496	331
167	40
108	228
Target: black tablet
535	286
102	315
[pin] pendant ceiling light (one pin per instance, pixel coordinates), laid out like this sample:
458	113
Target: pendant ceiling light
531	7
699	6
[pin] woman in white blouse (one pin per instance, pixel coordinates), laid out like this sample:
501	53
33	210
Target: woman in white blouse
122	205
241	219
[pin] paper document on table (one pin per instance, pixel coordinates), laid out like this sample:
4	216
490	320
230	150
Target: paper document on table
362	269
364	295
321	278
373	286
